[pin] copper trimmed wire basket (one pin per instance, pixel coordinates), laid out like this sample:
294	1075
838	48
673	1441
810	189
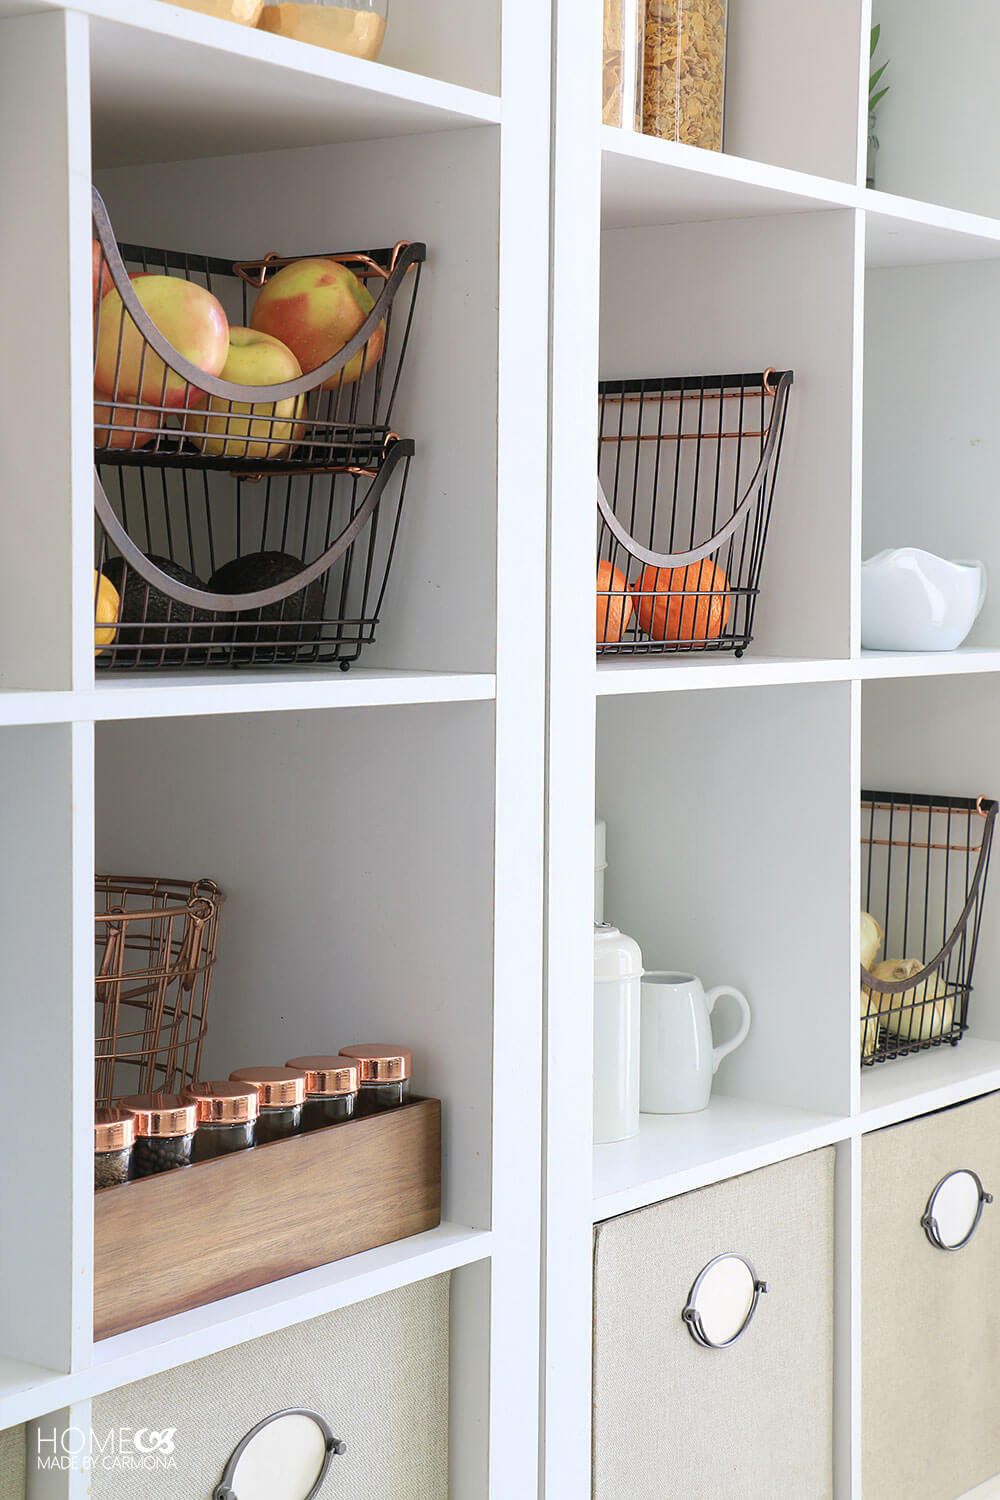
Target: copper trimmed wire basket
242	525
925	860
687	468
155	952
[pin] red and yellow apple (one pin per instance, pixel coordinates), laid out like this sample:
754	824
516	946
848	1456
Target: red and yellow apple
124	426
186	314
240	429
314	307
101	274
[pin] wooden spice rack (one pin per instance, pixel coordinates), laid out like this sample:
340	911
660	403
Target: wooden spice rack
168	1243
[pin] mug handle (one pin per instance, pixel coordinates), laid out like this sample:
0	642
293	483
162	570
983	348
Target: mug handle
718	1053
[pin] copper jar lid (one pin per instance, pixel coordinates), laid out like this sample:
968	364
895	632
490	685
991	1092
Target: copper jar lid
276	1087
114	1129
224	1102
327	1076
161	1114
380	1062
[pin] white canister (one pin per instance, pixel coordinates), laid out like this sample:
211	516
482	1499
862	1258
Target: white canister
617	998
600	865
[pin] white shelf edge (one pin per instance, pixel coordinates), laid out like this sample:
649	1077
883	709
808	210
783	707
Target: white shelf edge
686	675
912	1086
875	664
160	697
825	192
162	19
782	1146
221	1325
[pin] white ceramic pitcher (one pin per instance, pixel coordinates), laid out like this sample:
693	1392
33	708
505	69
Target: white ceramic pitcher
678	1058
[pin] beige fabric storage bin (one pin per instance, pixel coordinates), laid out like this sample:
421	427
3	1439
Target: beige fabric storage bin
378	1372
676	1421
930	1342
12	1464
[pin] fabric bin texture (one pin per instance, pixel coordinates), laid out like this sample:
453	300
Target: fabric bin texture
930	1332
676	1421
378	1372
12	1464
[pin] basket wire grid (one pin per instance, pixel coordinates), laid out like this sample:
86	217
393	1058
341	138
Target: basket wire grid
155	954
299	473
925	861
686	475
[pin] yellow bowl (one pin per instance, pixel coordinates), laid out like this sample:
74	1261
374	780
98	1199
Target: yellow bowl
339	28
246	12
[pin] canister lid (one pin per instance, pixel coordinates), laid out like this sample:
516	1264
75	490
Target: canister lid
224	1102
161	1114
114	1129
380	1062
615	955
275	1086
327	1076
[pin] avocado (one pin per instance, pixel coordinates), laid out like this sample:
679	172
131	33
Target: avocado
142	604
264	570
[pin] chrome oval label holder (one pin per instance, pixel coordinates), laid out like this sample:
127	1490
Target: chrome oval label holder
285	1457
722	1301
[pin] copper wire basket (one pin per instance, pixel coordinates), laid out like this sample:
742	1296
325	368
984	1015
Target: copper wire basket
155	952
925	860
241	525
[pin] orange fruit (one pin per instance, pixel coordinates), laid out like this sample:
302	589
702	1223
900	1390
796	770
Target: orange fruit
614	607
666	614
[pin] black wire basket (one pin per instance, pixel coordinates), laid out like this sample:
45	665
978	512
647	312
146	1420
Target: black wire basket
925	861
243	524
686	476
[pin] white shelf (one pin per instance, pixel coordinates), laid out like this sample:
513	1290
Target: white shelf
647	181
150	695
675	1153
222	1325
171	85
931	1080
684	674
928	663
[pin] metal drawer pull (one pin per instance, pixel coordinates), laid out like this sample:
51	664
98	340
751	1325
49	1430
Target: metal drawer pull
722	1301
954	1210
285	1457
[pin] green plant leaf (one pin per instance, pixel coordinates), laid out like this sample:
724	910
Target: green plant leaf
872	102
873	80
876	33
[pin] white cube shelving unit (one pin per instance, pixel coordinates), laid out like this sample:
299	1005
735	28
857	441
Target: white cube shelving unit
372	829
731	788
412	841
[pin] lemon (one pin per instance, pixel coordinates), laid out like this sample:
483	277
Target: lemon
108	605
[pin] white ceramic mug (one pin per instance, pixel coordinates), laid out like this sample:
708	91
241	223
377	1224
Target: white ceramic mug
678	1059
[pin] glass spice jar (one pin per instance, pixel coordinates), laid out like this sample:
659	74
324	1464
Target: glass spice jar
114	1137
682	71
331	1090
227	1117
281	1093
384	1075
164	1132
356	27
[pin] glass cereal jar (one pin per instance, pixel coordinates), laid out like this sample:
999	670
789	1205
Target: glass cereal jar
357	28
682	71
